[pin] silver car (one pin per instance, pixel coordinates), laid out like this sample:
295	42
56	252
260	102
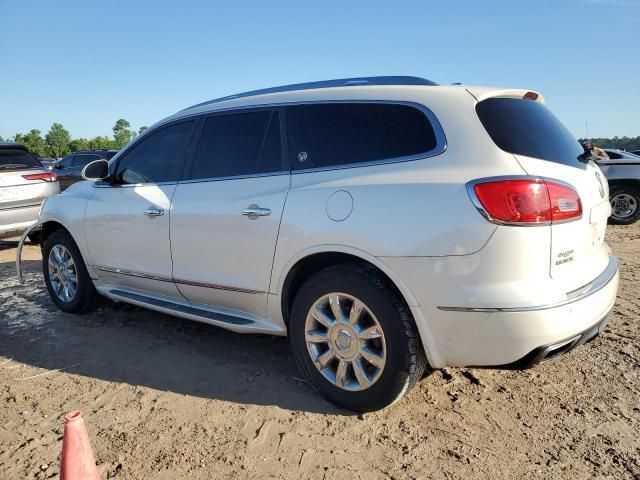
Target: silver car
24	184
622	170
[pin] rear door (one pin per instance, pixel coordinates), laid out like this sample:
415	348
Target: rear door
225	218
545	148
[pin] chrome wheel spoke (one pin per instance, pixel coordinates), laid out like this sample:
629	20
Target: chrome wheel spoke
323	360
336	307
373	358
341	373
357	309
317	336
360	374
322	318
370	333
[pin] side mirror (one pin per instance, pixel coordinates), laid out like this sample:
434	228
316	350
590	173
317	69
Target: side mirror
58	166
96	170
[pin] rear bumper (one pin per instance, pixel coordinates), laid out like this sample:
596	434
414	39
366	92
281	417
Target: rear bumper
548	352
513	336
14	221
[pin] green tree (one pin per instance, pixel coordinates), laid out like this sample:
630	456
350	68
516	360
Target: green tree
57	141
35	143
78	144
122	133
100	142
142	129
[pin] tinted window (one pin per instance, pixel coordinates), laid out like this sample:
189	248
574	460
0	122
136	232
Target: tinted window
82	160
341	133
238	144
613	155
16	159
157	158
526	127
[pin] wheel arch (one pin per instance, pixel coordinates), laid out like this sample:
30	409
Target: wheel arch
624	182
50	225
308	262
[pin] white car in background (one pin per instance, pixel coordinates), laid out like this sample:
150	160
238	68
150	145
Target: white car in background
24	184
387	225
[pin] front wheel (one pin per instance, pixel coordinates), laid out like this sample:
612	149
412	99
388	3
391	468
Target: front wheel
625	204
65	274
354	339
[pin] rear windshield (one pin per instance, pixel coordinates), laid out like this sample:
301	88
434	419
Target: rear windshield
526	127
17	159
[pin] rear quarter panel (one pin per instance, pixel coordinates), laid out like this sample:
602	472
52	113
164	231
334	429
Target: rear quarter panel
416	208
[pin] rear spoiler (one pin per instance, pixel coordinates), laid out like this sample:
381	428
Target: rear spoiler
482	93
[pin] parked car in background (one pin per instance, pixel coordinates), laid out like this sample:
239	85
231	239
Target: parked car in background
24	184
622	170
615	154
70	167
48	163
386	225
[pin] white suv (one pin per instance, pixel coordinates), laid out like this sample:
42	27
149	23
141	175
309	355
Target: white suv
388	225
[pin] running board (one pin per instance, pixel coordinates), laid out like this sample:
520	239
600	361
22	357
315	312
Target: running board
211	317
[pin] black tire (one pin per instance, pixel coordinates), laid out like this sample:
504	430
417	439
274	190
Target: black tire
34	237
406	361
632	192
86	297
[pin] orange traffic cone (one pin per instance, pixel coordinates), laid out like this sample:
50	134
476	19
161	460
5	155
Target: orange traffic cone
77	458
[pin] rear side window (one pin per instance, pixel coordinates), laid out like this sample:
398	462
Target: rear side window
158	157
17	159
238	144
525	127
614	155
332	134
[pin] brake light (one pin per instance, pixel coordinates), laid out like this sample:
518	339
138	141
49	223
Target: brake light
529	201
47	177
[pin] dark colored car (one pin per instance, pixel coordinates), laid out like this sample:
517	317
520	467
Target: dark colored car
70	167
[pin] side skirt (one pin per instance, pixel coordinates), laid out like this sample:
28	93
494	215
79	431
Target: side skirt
227	319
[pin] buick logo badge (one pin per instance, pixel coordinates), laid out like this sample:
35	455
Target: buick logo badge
600	184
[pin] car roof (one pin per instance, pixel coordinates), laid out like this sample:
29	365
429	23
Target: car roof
339	82
13	145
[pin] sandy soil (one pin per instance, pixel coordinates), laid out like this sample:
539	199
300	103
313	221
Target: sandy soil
165	398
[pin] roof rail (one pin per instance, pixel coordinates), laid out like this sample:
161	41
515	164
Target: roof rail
340	82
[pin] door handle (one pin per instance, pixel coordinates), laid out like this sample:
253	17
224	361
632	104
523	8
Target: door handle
154	212
256	212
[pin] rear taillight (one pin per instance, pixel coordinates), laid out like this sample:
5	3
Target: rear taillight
527	201
47	177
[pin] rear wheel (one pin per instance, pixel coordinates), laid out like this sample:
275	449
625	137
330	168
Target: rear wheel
354	339
65	274
625	204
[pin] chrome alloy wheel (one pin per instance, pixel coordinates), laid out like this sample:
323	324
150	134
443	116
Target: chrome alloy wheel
62	273
345	341
624	205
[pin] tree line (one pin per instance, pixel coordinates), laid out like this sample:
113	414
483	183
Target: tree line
57	142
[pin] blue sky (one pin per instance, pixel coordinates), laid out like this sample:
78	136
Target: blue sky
87	63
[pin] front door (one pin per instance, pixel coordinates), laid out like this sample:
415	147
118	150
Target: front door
127	218
226	216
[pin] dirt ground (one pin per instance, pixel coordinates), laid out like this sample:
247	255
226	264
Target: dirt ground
166	398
